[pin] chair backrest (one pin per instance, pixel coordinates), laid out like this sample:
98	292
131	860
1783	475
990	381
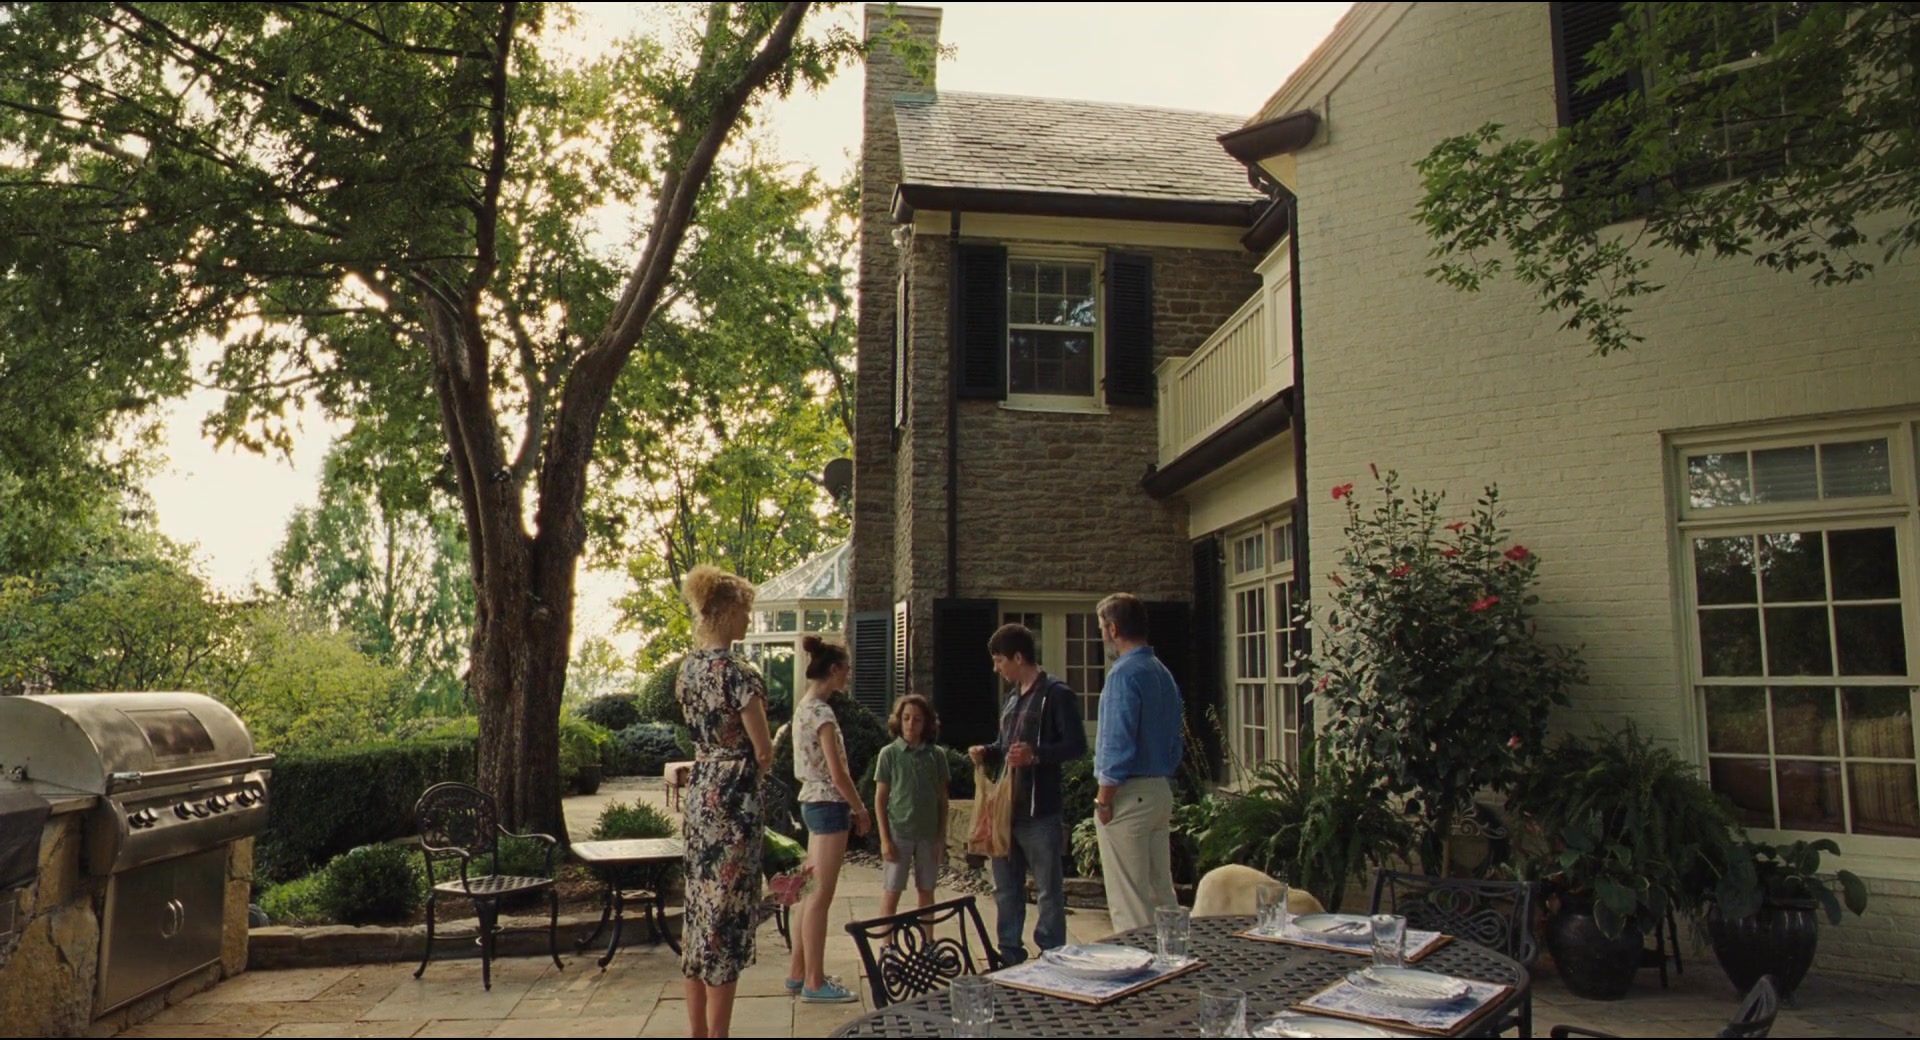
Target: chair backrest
906	955
1494	914
458	822
1229	891
1756	1014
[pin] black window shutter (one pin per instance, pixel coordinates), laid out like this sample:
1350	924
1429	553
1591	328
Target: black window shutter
966	692
980	323
1129	330
1577	29
1206	707
873	660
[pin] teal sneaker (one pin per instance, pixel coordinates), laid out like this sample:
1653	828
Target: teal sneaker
795	985
831	993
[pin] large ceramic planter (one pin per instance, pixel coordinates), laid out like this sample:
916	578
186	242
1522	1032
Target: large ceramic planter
1778	940
1591	964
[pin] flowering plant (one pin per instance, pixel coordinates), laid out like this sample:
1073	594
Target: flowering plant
1426	667
794	885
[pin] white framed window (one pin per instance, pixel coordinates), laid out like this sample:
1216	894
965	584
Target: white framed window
902	352
1742	140
1054	342
1067	636
1266	710
1797	558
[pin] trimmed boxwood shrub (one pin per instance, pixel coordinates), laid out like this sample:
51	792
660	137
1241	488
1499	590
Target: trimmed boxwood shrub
377	884
614	713
645	749
621	820
657	701
323	803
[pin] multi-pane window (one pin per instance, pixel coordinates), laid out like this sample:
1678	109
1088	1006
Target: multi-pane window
1052	327
1266	713
1800	573
1068	633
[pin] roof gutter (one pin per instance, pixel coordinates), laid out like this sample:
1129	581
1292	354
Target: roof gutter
908	198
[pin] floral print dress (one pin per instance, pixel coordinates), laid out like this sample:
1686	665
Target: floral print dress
723	828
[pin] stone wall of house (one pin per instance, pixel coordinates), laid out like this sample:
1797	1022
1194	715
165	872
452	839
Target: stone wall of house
870	565
1047	502
1456	391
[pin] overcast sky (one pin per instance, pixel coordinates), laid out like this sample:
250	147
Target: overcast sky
1209	57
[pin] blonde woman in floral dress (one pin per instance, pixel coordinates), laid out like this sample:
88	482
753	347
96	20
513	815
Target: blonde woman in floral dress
726	705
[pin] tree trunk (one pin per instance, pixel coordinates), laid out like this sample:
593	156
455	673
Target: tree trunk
519	672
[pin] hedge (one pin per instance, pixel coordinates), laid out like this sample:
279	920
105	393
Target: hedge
325	803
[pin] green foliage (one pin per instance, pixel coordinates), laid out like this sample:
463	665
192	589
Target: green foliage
327	802
580	744
1806	160
1759	874
1078	791
658	701
959	774
1319	826
389	574
377	884
1631	826
1084	847
731	476
645	749
301	687
295	902
780	854
612	713
1427	664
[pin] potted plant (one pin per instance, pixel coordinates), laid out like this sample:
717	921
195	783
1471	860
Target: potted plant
1765	919
1630	832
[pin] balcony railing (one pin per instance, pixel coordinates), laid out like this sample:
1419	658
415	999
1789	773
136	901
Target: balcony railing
1241	365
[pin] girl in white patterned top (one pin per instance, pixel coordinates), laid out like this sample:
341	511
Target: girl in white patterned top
830	805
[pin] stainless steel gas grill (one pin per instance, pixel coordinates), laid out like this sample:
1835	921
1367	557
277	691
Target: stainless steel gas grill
177	782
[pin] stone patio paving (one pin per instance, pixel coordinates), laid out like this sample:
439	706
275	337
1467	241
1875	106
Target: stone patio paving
639	995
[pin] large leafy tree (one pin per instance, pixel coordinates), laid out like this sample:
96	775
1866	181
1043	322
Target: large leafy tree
724	436
386	207
1787	133
390	578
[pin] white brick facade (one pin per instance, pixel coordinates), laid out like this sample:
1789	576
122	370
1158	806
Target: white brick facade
1456	391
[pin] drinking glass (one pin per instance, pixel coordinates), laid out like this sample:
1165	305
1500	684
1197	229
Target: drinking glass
1270	901
1223	1012
1170	925
1389	941
972	997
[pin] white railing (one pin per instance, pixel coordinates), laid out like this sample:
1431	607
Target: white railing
1239	366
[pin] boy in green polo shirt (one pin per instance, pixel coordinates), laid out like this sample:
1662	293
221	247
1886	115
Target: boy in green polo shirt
910	802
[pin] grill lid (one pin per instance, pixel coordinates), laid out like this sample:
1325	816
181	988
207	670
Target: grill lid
99	742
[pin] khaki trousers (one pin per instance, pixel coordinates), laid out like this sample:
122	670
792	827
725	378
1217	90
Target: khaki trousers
1136	852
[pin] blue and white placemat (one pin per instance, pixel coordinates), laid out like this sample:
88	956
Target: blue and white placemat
1345	1000
1038	976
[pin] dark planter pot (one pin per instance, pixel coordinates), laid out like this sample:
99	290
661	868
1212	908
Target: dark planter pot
1778	940
587	780
1591	964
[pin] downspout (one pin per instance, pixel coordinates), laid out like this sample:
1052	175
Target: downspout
953	406
1302	564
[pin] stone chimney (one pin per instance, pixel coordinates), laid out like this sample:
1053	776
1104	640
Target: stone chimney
871	568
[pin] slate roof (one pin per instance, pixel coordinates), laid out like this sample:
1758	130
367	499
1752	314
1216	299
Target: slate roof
1004	143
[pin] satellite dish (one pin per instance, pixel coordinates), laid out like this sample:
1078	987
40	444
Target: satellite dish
838	478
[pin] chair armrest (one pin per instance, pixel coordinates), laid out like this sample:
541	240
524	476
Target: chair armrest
1563	1032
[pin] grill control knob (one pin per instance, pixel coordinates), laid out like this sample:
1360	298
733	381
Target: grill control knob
245	799
183	811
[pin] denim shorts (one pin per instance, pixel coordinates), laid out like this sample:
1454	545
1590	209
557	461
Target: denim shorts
826	817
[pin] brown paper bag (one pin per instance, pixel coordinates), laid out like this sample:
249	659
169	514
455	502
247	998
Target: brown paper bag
992	814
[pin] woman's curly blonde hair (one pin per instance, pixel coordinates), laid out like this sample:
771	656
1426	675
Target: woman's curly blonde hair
716	597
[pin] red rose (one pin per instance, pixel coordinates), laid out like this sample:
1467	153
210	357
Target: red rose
1402	571
1341	491
1518	553
1321	685
1457	526
1449	553
1484	604
1514	742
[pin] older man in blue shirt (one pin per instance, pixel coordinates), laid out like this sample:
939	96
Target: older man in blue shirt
1140	743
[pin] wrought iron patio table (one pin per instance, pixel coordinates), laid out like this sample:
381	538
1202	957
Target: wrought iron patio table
1275	976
